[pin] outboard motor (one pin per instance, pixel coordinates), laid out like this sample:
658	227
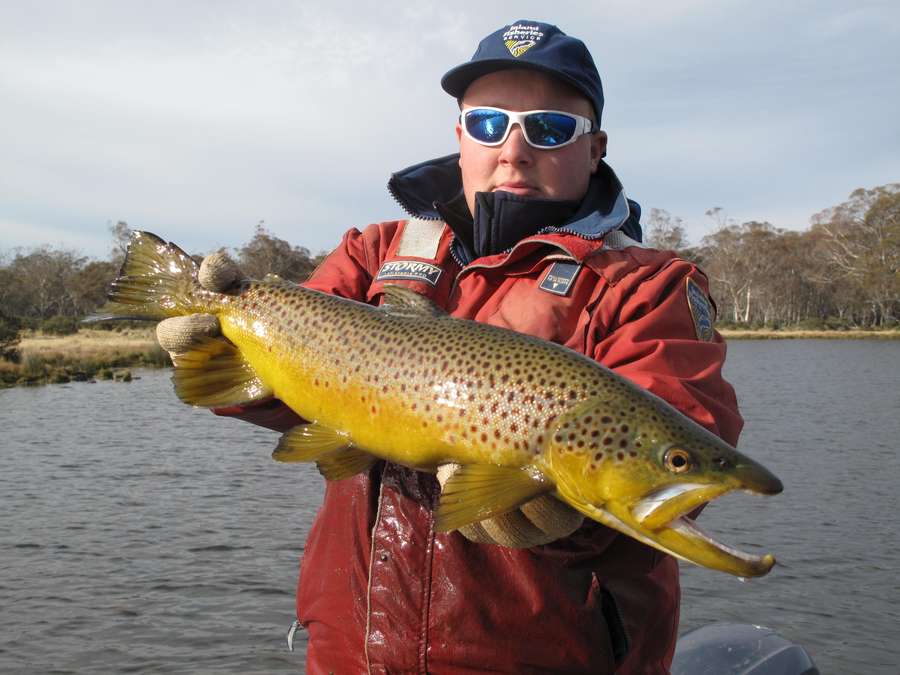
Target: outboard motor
739	649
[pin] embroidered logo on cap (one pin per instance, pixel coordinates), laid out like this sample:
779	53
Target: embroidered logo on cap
409	270
520	38
560	277
701	311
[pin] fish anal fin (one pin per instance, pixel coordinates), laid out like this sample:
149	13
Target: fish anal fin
309	443
402	301
345	463
480	491
214	374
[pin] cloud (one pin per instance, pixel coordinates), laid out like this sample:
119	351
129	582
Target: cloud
199	119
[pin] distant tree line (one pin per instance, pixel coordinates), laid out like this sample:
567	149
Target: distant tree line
844	271
53	288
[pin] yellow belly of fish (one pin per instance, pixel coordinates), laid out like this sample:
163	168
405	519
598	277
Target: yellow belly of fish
380	422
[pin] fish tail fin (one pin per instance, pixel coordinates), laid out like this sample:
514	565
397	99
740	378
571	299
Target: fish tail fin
158	280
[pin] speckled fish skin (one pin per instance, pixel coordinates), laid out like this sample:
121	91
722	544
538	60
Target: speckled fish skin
415	386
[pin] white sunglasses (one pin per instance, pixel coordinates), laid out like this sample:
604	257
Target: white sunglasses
544	129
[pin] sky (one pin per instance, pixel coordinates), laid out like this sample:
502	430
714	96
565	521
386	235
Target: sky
199	119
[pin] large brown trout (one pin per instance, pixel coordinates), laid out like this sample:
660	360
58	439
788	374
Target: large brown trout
407	383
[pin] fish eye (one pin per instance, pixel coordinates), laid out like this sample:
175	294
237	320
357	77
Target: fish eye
677	460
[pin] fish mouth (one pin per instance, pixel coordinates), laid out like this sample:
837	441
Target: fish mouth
660	519
662	516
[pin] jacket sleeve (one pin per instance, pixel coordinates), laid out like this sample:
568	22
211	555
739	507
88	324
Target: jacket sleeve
643	328
347	272
648	334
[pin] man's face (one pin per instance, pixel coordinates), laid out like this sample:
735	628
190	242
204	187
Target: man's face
515	166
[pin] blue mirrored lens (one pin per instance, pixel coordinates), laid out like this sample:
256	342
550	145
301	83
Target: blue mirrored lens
487	126
549	129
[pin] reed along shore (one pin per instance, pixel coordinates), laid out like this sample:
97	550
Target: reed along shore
788	334
92	354
87	355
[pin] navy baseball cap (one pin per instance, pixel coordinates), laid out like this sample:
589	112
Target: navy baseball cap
534	45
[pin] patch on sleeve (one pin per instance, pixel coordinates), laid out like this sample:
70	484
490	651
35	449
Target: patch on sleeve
409	270
560	277
701	311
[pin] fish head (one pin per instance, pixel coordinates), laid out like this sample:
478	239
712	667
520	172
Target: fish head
642	468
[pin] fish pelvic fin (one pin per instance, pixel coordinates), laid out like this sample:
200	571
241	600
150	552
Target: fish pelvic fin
332	451
157	280
481	491
345	463
214	374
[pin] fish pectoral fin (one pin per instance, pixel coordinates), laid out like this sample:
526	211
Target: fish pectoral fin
309	443
399	300
480	491
345	463
214	374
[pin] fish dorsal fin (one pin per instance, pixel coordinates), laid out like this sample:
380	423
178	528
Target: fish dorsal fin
480	491
214	374
402	301
345	463
309	443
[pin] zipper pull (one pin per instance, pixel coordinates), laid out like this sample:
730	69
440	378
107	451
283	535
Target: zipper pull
290	636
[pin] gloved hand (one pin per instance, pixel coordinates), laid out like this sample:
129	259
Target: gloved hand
218	273
535	523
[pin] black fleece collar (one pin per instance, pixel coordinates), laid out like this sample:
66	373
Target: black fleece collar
433	190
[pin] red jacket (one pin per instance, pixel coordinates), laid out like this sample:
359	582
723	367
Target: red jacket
380	592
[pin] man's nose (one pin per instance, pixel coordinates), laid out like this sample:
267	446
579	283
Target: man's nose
515	149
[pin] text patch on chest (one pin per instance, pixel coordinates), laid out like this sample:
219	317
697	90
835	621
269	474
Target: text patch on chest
409	270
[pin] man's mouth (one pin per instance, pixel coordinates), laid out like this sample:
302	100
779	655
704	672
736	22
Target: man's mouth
517	188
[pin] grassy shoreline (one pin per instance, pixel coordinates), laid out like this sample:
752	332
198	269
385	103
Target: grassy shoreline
85	356
768	334
102	354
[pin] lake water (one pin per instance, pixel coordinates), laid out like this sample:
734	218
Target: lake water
139	535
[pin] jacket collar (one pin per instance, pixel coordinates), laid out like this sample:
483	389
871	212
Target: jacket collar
423	191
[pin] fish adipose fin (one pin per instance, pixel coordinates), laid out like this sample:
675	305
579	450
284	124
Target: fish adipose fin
401	301
332	451
480	491
213	374
157	281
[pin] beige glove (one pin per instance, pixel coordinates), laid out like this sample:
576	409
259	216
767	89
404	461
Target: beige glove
535	523
219	273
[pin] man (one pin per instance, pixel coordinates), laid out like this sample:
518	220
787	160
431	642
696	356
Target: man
527	228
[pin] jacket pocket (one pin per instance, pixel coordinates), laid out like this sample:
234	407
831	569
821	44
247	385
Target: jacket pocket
615	623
